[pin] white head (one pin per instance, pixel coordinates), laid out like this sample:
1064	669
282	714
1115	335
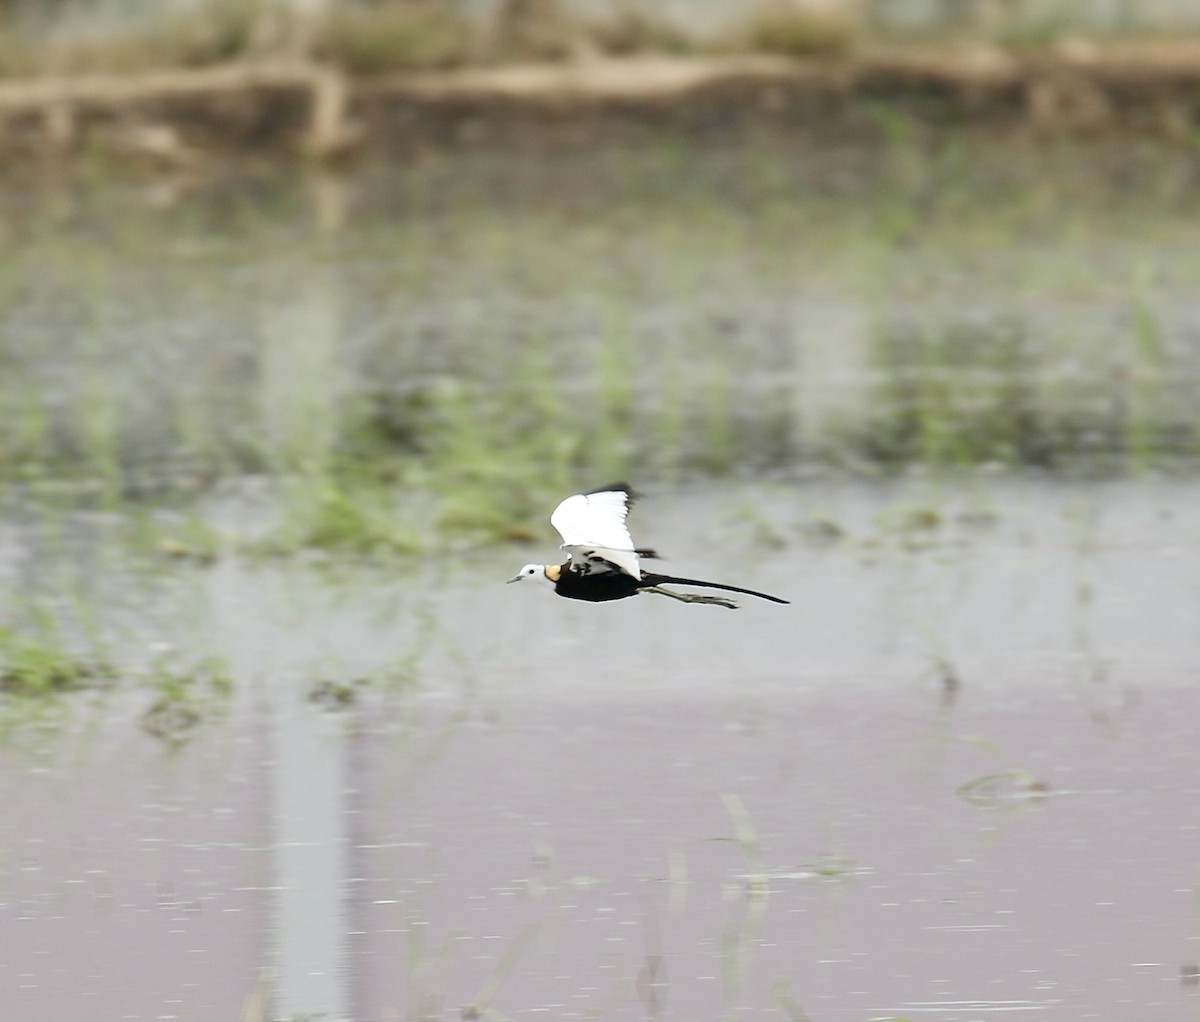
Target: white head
538	573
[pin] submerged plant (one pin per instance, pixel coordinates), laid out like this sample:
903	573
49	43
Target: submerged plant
1004	789
1145	382
788	1003
956	395
552	357
335	694
36	658
186	698
493	461
184	537
29	666
344	514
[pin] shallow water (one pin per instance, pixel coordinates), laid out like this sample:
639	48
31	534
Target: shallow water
660	311
956	777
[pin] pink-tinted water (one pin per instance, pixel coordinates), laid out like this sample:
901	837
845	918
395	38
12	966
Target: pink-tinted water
535	809
594	842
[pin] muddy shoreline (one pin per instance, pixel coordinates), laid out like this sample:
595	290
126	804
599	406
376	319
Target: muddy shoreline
182	119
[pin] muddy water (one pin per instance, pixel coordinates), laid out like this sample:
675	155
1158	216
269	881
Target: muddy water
957	777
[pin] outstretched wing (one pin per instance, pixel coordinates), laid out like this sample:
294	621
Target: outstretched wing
592	526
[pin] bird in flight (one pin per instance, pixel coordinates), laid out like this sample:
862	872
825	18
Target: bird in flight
602	563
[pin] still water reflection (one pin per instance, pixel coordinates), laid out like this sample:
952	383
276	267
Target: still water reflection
956	777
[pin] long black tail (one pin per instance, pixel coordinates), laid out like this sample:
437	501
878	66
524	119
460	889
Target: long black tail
656	580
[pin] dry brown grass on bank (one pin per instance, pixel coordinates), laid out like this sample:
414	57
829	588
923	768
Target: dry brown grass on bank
782	27
368	37
636	28
424	35
218	32
392	35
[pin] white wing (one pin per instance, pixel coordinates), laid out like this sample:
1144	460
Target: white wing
592	526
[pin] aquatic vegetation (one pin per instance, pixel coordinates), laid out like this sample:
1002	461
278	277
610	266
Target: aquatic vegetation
37	662
480	1005
831	867
907	518
822	530
350	515
1004	789
49	646
477	337
788	1003
483	497
183	537
186	698
335	694
957	395
746	835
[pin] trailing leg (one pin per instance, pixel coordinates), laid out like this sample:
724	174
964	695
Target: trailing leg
716	601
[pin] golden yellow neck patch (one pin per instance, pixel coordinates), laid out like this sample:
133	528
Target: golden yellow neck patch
553	572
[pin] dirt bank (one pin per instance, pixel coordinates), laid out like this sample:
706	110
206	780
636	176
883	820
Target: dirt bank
180	119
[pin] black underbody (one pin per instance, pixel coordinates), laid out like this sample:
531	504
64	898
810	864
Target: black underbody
616	585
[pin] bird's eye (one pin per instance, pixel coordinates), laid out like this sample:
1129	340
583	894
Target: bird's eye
528	571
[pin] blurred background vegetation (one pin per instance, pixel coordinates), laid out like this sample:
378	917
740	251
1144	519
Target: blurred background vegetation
366	36
453	326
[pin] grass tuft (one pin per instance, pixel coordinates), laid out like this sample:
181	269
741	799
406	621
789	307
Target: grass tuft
640	28
1004	789
793	29
20	55
215	32
184	538
186	699
956	395
408	35
533	30
344	514
37	662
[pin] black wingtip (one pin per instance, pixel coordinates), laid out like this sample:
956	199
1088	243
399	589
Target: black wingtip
619	487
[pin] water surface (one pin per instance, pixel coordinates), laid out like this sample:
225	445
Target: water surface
270	448
955	777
